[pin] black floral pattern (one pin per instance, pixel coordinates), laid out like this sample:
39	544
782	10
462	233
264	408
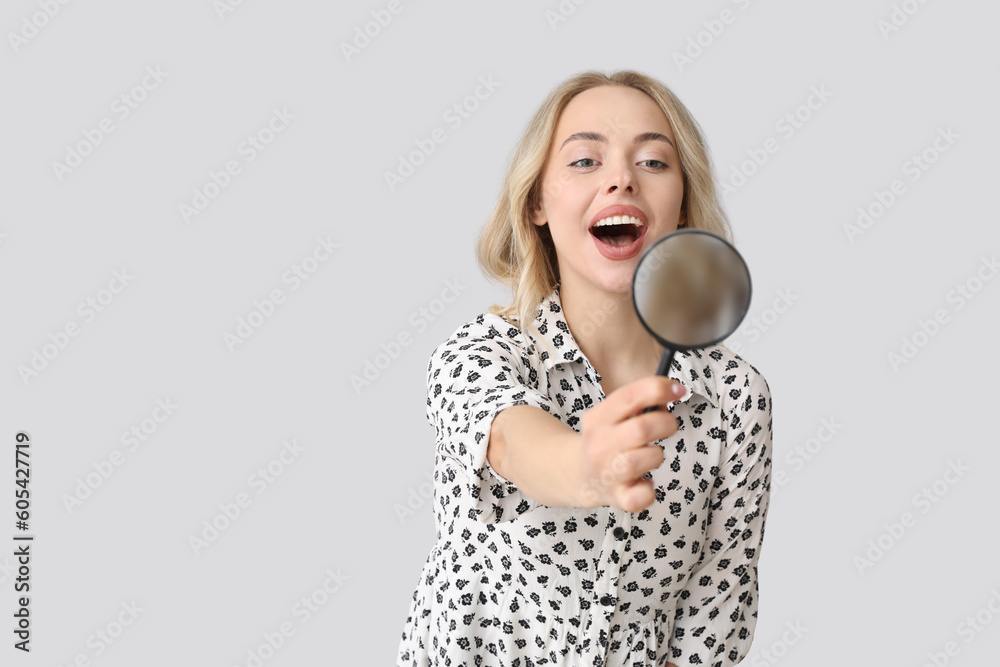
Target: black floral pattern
516	583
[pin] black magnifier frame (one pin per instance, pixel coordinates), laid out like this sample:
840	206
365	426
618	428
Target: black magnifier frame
670	347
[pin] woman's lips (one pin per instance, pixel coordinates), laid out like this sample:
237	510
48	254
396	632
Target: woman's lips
620	209
620	252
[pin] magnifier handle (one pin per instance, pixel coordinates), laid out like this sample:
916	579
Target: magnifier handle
665	361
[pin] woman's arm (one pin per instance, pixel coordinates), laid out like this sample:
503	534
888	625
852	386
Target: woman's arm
472	379
530	448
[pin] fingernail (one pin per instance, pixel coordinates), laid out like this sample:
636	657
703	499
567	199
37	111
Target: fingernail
679	389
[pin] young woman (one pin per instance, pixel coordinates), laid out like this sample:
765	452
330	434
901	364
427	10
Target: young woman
574	529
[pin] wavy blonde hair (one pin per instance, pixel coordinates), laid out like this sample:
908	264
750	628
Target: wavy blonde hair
521	255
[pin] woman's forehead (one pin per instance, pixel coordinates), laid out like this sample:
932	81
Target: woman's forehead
611	111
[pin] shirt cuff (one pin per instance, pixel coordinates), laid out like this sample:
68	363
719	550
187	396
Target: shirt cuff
494	498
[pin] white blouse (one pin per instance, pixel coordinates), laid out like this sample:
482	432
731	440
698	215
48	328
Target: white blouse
513	582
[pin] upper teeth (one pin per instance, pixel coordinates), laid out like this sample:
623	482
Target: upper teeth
619	220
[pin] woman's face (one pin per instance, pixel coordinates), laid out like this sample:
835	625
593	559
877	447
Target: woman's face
612	148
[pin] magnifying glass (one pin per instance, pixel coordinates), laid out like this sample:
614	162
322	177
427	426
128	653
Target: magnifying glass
691	289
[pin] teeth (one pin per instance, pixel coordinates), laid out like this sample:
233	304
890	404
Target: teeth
619	220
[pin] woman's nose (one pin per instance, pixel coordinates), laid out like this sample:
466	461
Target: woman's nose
621	177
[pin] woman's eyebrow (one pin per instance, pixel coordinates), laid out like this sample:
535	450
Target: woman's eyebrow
596	136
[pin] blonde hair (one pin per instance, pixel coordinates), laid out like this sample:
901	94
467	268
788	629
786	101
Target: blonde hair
521	255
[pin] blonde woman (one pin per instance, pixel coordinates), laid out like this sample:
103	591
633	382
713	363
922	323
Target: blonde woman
574	529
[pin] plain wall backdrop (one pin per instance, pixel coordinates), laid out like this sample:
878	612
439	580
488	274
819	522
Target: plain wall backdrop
201	256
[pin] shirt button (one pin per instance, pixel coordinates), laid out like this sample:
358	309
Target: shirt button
607	600
620	532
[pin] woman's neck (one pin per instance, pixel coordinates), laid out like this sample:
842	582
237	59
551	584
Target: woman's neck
608	331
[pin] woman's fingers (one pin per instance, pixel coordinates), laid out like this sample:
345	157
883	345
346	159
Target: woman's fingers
615	442
634	397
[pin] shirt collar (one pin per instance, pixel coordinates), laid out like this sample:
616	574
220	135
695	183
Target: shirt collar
558	347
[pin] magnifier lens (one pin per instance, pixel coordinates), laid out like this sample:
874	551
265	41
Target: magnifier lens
691	289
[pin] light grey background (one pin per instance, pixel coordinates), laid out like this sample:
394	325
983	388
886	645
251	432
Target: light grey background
366	455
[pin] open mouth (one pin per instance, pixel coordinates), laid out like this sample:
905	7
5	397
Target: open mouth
618	231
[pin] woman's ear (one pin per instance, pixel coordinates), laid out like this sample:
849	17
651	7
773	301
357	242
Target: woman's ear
536	214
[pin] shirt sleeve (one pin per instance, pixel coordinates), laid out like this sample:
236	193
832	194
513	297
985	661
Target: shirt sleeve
469	381
716	615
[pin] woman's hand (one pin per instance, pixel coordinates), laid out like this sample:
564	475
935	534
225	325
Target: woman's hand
614	451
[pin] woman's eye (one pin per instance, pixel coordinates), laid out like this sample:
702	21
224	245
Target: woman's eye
656	164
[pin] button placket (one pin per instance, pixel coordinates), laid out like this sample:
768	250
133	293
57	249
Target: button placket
607	585
623	520
614	541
